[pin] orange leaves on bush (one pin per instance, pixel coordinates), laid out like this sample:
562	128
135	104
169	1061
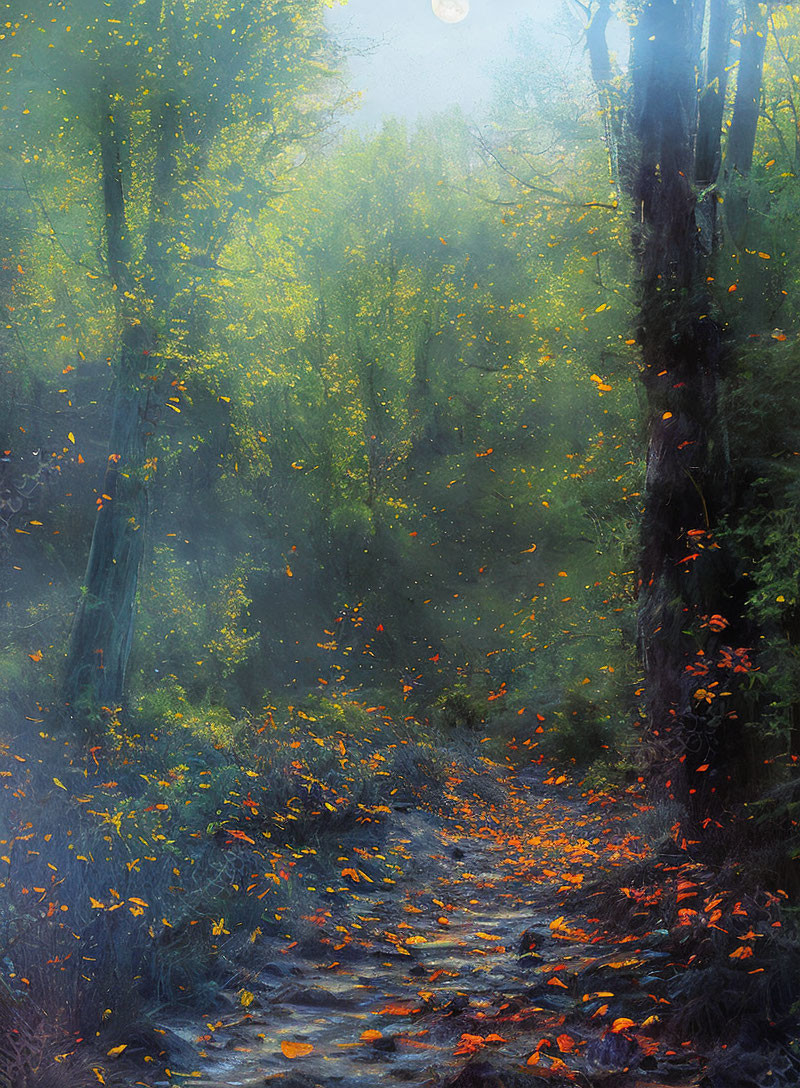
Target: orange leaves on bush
295	1050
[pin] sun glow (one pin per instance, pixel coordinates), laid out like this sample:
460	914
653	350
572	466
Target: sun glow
450	11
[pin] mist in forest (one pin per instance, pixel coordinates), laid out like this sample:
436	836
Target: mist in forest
404	61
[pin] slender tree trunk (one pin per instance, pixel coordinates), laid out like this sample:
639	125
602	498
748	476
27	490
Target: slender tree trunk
103	625
759	282
604	78
742	135
102	628
744	122
714	84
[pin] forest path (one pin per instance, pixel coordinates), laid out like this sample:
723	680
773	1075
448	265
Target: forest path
413	981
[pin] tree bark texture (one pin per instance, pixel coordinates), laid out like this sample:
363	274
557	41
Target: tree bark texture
685	576
102	629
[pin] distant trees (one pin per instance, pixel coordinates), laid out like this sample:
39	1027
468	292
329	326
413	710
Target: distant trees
392	379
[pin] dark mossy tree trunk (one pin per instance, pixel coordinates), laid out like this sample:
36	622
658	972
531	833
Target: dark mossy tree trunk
102	629
691	624
681	359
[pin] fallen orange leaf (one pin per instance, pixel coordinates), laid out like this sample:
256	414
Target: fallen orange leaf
295	1050
621	1023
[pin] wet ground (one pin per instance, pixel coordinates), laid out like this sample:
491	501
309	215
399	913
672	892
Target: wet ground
408	982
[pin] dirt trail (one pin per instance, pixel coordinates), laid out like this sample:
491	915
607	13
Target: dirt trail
409	982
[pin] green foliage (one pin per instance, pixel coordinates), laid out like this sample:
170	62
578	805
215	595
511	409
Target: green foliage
167	708
584	728
461	708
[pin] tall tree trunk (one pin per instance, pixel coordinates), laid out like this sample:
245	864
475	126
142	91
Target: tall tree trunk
714	85
685	576
102	629
742	135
